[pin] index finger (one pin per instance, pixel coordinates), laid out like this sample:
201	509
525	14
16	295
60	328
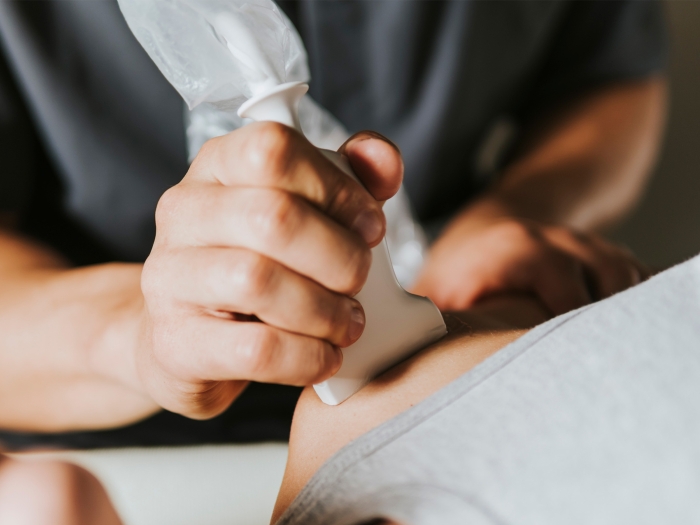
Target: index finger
267	154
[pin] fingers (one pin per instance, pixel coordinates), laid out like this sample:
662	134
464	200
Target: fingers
521	259
224	350
610	269
558	280
526	262
265	225
565	269
624	253
376	161
568	269
509	256
270	155
241	281
273	223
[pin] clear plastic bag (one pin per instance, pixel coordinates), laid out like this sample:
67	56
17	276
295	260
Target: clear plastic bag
219	53
206	121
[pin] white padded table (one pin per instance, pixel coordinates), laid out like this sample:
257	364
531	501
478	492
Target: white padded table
203	485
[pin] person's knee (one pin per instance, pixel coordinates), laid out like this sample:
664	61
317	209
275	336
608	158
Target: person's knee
51	493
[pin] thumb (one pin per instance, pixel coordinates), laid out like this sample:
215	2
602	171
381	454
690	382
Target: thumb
376	161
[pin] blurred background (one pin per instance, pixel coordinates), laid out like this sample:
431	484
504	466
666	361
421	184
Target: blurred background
665	228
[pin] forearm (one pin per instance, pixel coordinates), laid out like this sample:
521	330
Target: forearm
585	165
69	336
533	231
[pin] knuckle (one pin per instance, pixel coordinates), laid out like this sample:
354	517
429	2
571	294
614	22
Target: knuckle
257	351
151	278
252	276
209	149
210	146
270	148
277	218
338	197
168	207
161	278
357	269
208	152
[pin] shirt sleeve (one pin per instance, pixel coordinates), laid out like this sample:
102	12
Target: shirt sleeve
18	145
599	42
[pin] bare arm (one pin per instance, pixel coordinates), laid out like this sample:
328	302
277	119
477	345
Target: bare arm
586	164
66	355
318	430
582	168
262	227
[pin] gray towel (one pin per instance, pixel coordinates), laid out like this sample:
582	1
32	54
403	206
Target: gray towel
591	418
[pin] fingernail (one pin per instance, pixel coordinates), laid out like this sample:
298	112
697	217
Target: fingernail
376	135
369	225
357	323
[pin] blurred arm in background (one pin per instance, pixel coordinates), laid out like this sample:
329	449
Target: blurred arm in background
582	168
591	123
56	321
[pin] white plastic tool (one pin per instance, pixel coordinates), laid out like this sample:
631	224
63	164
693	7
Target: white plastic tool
397	323
223	52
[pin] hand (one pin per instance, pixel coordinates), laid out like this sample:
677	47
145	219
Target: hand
258	253
563	268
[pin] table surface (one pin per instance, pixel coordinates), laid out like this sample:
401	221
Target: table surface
206	485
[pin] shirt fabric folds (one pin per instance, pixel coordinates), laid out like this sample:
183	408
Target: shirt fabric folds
592	417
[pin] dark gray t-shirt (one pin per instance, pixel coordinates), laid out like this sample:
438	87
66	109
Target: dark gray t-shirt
436	77
91	134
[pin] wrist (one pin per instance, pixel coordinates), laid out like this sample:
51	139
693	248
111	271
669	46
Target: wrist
113	355
71	346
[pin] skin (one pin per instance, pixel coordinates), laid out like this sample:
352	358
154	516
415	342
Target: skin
319	430
108	345
52	493
118	341
284	237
